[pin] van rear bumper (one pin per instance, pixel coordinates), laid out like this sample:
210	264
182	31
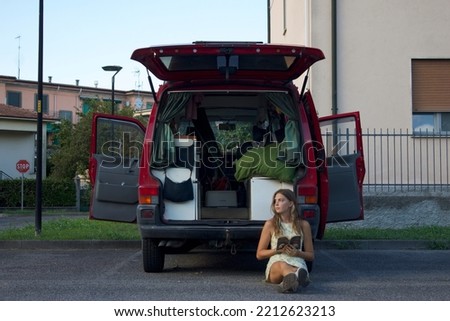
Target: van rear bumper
200	232
152	226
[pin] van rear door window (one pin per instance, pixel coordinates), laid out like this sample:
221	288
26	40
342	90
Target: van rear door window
213	62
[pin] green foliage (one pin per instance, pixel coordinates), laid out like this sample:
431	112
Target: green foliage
229	139
55	193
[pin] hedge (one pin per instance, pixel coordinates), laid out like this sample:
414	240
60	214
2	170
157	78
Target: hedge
55	193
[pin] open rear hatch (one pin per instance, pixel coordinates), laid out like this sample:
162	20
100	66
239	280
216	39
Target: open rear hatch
224	60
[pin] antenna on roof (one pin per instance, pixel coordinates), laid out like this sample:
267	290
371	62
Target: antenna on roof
18	58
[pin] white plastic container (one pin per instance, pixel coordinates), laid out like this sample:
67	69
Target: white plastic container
261	193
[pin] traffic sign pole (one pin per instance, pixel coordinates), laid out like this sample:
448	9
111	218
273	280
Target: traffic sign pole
22	166
21	194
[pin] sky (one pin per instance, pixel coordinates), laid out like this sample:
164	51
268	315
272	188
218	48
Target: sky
81	36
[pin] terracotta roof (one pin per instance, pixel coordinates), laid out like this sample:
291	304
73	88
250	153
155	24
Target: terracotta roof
7	111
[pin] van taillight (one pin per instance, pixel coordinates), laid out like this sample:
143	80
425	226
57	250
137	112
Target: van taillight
307	194
148	195
309	214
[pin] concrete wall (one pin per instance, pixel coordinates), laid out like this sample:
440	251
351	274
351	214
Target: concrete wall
11	154
17	141
376	40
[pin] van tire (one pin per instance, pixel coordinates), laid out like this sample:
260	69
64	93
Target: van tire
153	255
309	265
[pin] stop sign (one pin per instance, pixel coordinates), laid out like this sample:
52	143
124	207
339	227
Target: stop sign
22	166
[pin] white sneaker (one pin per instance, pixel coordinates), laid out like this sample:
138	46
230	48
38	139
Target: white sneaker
303	277
290	283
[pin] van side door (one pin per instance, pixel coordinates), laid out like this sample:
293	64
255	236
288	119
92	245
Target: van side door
342	139
320	160
115	155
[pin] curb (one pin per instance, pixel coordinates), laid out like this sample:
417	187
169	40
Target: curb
318	245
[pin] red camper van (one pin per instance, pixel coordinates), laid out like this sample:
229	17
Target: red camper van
228	128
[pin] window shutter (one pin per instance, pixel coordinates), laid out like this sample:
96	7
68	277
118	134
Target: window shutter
431	85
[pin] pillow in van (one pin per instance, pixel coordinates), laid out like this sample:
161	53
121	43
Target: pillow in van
263	161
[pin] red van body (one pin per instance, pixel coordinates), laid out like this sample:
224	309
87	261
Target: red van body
228	129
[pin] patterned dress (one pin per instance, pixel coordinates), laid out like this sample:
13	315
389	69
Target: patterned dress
288	231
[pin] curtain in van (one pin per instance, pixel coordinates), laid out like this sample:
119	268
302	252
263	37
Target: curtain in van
291	142
164	147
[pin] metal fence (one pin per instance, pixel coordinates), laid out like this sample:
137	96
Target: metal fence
3	175
401	160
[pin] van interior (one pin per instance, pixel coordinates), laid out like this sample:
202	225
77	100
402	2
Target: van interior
237	148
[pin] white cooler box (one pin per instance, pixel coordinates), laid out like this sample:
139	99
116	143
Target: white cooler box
221	199
261	193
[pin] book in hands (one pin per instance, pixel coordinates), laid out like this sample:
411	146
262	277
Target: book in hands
295	241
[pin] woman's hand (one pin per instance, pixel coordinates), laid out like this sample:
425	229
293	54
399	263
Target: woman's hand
290	250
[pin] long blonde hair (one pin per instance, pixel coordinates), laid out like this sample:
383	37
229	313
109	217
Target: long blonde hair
294	214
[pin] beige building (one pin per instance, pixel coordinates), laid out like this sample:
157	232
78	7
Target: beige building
63	101
60	101
388	59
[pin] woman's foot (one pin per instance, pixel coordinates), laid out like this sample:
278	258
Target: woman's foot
303	277
290	283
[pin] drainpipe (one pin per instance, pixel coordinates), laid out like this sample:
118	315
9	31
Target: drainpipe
308	23
334	95
334	98
268	21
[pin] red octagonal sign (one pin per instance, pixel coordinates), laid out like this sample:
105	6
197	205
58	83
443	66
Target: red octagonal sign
22	166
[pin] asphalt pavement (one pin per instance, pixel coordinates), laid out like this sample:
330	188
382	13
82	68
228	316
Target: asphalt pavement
117	274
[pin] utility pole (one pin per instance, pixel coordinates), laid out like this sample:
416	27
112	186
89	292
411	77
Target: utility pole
38	216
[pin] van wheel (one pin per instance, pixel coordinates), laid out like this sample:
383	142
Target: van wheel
309	265
153	255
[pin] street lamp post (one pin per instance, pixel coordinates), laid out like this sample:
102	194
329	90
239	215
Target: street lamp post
116	69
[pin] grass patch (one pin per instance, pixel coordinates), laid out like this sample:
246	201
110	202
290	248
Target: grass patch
32	211
85	229
427	233
74	229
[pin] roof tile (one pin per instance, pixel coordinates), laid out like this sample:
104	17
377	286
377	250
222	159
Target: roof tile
8	111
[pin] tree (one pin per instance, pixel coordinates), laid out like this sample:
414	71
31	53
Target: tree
228	139
71	156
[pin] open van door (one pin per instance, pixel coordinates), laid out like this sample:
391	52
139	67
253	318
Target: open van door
342	139
116	150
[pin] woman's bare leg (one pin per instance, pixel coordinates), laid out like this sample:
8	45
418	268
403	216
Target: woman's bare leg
279	270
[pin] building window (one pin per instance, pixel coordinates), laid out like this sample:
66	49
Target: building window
65	114
44	103
431	96
14	98
148	105
431	123
85	108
